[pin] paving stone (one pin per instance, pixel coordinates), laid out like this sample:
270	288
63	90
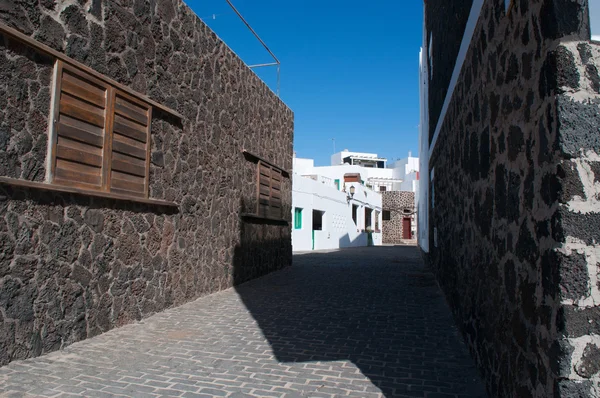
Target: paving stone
358	322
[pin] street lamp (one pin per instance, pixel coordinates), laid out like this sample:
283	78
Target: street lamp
351	195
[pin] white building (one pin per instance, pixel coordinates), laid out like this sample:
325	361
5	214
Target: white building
407	170
402	175
326	216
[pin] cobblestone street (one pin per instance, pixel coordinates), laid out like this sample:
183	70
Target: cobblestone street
365	322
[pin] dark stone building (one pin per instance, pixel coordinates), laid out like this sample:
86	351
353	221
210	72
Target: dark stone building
399	217
76	262
511	124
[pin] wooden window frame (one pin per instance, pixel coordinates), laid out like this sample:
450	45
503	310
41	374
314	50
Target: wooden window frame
253	213
266	207
41	48
110	112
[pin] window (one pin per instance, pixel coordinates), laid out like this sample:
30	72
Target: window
337	184
355	214
386	215
269	191
368	214
382	188
297	218
318	220
100	138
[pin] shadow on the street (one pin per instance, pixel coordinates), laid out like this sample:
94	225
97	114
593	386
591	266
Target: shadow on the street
377	307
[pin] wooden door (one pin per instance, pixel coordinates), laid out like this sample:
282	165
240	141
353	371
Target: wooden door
406	227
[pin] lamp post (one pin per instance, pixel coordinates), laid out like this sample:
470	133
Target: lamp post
351	194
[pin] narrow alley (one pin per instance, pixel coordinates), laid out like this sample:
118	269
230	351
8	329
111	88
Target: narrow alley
363	322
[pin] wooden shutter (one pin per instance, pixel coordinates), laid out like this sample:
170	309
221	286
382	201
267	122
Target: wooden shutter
79	129
101	136
269	191
264	189
275	210
130	147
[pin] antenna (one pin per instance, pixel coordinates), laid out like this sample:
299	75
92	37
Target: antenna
333	139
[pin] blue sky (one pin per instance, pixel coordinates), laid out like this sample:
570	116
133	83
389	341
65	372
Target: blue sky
349	69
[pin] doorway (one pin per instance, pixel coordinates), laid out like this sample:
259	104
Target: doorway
406	228
317	224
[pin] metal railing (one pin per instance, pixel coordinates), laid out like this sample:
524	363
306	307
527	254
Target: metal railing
276	63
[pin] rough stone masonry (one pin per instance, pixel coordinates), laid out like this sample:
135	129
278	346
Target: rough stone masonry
514	220
73	266
400	205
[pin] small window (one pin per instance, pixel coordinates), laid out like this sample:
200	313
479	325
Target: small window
100	137
318	220
297	218
382	188
355	214
368	214
386	215
269	191
337	184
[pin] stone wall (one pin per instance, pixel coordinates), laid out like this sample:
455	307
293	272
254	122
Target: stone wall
73	266
578	108
400	205
444	36
513	208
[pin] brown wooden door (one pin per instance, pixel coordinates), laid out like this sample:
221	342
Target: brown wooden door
406	228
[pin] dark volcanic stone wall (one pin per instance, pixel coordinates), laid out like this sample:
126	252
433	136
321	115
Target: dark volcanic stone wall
514	229
400	204
578	106
445	22
73	266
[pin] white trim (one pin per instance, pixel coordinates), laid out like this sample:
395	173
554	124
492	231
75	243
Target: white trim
460	60
51	123
594	9
429	61
423	189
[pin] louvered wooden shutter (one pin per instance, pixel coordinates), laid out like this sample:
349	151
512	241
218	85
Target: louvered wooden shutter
101	138
269	191
130	146
80	125
276	193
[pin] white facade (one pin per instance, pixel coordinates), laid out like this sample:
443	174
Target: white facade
372	177
317	196
353	158
407	170
595	19
402	175
320	191
423	203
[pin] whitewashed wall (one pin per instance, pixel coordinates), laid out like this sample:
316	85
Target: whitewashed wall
423	194
595	19
339	229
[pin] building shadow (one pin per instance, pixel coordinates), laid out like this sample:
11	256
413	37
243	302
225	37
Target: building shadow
377	307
